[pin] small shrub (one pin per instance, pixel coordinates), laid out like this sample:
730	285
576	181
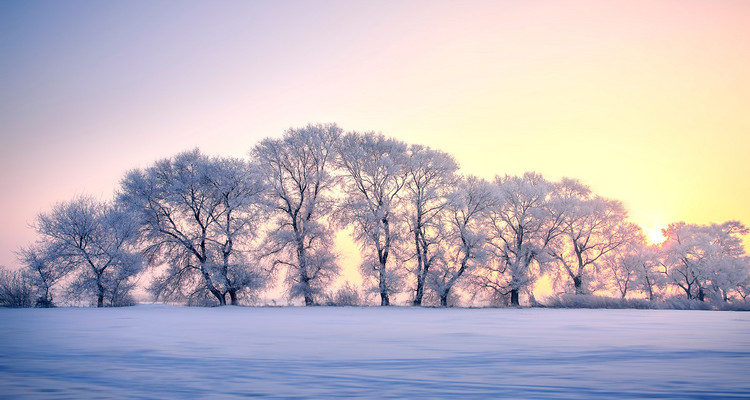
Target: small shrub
679	303
15	289
591	301
347	295
123	300
734	306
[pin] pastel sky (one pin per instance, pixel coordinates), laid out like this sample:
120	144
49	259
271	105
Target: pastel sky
645	101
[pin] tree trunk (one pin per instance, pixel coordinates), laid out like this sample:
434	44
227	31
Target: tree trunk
302	260
309	301
233	297
420	282
210	284
444	299
701	294
384	299
219	296
383	259
382	285
650	290
211	288
99	290
514	298
578	283
420	293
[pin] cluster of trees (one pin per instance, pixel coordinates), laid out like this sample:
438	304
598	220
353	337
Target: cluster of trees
219	230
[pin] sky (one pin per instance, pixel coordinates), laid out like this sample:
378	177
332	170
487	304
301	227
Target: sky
644	101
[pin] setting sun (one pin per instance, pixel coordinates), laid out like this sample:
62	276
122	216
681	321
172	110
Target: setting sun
654	236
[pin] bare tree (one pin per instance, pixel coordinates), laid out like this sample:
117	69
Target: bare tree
239	187
45	270
622	265
194	214
743	288
430	178
705	259
592	227
634	266
522	226
16	288
465	235
95	241
374	175
296	169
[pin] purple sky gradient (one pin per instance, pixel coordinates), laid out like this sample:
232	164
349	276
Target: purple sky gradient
644	101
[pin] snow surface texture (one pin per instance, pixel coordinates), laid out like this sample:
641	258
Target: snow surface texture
167	352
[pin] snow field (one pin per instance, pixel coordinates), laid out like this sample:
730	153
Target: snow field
168	352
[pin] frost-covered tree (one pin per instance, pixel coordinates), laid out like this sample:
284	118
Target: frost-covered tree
592	226
649	274
375	171
430	178
196	215
465	235
634	266
686	257
16	288
705	259
297	171
730	263
239	187
45	270
522	226
743	289
95	241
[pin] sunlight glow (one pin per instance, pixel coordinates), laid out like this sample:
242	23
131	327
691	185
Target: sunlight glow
654	236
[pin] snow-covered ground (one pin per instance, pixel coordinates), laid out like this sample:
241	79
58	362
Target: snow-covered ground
163	352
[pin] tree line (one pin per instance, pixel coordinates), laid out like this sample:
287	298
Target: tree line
221	230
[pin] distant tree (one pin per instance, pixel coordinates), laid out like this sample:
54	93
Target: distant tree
465	235
634	266
297	171
685	257
592	226
705	259
196	215
16	289
95	241
730	263
522	226
375	172
45	270
649	274
743	289
430	178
